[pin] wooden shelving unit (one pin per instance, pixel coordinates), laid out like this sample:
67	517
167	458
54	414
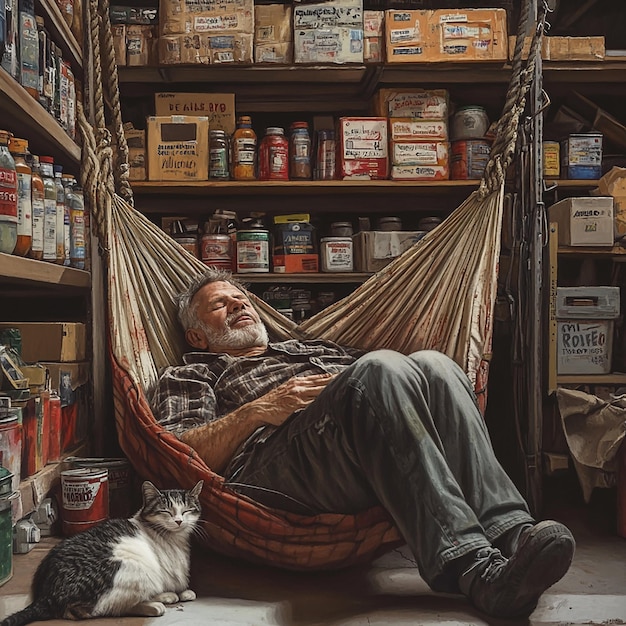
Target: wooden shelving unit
28	273
309	278
60	32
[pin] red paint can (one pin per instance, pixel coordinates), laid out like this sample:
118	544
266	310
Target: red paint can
85	497
11	446
54	449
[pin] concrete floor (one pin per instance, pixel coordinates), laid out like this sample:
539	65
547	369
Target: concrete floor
388	592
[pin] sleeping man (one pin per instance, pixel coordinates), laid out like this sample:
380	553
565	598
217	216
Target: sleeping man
311	427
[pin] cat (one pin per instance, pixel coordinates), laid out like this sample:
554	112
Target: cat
122	566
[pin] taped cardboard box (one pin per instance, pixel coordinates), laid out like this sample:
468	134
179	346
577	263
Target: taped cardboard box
584	221
415	104
613	184
363	152
219	108
273	24
446	35
575	48
274	53
177	17
206	49
373	36
51	341
178	147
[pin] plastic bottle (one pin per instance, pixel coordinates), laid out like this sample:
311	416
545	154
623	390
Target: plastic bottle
76	205
300	152
38	210
50	209
63	219
18	148
244	146
274	155
8	196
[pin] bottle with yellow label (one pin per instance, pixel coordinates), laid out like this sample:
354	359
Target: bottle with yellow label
244	150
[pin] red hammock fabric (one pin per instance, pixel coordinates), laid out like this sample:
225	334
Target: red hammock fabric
235	524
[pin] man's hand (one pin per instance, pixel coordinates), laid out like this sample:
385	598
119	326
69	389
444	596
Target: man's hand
297	393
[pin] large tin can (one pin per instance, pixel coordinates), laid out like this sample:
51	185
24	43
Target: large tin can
469	159
85	497
469	122
216	250
253	251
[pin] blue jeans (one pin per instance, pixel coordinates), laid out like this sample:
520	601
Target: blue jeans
399	431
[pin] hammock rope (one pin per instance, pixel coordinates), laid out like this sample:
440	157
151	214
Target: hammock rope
440	294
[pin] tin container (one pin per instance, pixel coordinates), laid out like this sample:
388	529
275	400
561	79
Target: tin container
216	250
121	500
336	254
11	446
551	159
85	498
253	251
274	155
581	156
469	122
469	159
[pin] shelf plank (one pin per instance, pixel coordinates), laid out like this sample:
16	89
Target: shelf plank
309	278
28	272
60	31
591	379
25	117
305	187
602	251
572	184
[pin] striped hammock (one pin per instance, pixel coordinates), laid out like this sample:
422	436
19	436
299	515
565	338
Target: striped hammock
440	294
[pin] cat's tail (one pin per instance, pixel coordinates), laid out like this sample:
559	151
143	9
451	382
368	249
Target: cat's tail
32	613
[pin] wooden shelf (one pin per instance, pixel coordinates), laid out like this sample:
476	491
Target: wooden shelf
602	251
311	278
26	118
60	32
28	273
572	184
591	379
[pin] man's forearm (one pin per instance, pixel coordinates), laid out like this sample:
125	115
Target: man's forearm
217	442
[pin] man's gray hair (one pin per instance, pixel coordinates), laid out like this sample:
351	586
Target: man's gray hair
188	311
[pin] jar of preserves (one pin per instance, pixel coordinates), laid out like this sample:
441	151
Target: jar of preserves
38	210
8	196
218	155
18	148
300	152
244	150
274	155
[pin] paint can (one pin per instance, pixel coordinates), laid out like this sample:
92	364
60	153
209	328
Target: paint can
85	498
469	159
253	251
121	501
11	445
336	254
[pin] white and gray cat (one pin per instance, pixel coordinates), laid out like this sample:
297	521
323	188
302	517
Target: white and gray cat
122	566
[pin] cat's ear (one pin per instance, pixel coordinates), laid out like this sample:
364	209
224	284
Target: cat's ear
195	492
150	492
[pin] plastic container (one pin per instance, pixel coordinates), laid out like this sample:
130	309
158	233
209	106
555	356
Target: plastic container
19	148
300	152
244	150
274	155
253	251
8	196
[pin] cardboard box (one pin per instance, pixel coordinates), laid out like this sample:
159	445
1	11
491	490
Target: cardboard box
362	148
415	104
219	108
375	249
613	184
66	378
206	49
584	221
461	35
141	48
545	50
575	48
328	32
373	36
178	17
274	53
273	24
420	153
585	320
406	129
294	248
420	172
178	147
136	141
51	341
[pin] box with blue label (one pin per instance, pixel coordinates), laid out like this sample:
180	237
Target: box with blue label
581	156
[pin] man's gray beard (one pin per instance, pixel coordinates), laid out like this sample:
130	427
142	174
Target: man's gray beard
254	335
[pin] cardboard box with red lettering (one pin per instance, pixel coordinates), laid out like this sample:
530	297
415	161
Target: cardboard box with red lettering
219	108
373	36
362	148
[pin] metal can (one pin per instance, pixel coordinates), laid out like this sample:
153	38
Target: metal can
216	250
469	159
85	494
325	162
469	122
336	254
551	159
218	155
253	251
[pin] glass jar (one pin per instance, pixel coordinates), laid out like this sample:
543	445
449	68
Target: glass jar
63	219
50	209
300	152
74	202
8	196
274	155
325	158
38	209
218	155
244	150
18	148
